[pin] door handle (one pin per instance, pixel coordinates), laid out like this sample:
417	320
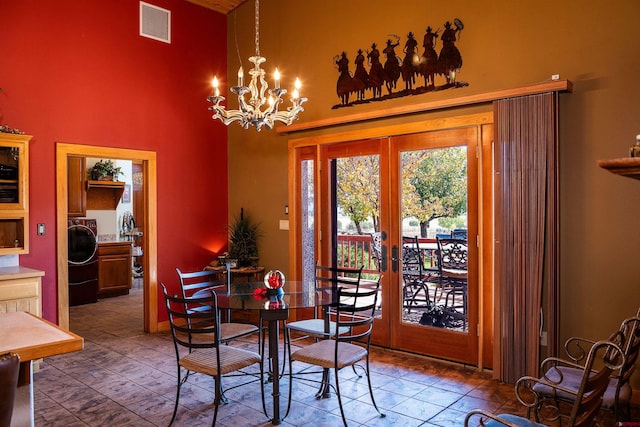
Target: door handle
394	258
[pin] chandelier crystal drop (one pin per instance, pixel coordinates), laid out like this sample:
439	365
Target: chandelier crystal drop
251	113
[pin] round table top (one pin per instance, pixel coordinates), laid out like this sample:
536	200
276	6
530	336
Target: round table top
296	294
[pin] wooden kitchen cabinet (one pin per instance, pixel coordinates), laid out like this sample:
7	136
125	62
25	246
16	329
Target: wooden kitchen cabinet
114	268
76	183
14	194
21	290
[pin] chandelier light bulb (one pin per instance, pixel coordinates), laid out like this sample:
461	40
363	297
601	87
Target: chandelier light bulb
214	83
276	78
240	76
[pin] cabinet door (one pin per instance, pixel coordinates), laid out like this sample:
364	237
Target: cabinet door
14	194
77	176
114	270
113	273
14	173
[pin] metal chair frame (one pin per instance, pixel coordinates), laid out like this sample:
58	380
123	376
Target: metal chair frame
453	261
603	358
199	349
617	397
415	292
193	282
354	312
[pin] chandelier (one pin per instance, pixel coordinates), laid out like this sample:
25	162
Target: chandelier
251	112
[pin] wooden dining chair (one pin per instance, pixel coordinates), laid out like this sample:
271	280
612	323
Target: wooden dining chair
603	358
193	282
199	348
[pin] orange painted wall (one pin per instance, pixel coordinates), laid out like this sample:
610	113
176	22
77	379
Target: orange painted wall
504	44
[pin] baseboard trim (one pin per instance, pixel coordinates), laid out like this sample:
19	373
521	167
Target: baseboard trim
164	326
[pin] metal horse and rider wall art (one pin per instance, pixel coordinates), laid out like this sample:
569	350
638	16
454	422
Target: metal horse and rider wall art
439	71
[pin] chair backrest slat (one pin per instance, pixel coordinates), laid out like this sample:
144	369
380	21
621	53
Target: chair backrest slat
355	311
192	282
334	277
193	328
412	261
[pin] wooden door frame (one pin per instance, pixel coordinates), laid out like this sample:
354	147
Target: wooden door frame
150	261
486	341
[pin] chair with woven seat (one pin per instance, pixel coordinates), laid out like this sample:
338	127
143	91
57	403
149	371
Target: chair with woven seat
603	358
199	349
617	396
326	278
353	312
193	282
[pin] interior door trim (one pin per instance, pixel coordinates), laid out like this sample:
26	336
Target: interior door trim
148	158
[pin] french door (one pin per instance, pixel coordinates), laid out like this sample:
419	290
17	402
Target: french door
434	194
393	187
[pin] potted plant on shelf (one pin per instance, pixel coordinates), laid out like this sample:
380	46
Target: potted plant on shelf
105	170
243	241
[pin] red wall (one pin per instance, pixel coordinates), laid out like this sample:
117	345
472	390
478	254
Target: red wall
78	72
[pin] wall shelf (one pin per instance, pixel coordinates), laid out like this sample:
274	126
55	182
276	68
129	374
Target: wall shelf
104	195
627	166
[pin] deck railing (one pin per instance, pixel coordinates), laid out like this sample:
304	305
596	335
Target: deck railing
355	251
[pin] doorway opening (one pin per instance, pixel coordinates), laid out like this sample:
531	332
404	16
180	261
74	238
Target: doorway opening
147	204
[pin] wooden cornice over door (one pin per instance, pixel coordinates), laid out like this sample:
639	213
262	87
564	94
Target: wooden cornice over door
462	101
222	6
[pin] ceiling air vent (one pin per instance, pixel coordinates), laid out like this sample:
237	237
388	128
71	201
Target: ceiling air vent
155	22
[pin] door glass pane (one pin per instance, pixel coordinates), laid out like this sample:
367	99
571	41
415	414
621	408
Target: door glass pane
357	214
307	205
433	206
9	190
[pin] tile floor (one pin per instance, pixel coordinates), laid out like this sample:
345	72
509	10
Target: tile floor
125	377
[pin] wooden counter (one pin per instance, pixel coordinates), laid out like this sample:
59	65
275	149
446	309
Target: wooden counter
32	337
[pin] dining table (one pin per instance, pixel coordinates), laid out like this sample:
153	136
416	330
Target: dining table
32	338
274	306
